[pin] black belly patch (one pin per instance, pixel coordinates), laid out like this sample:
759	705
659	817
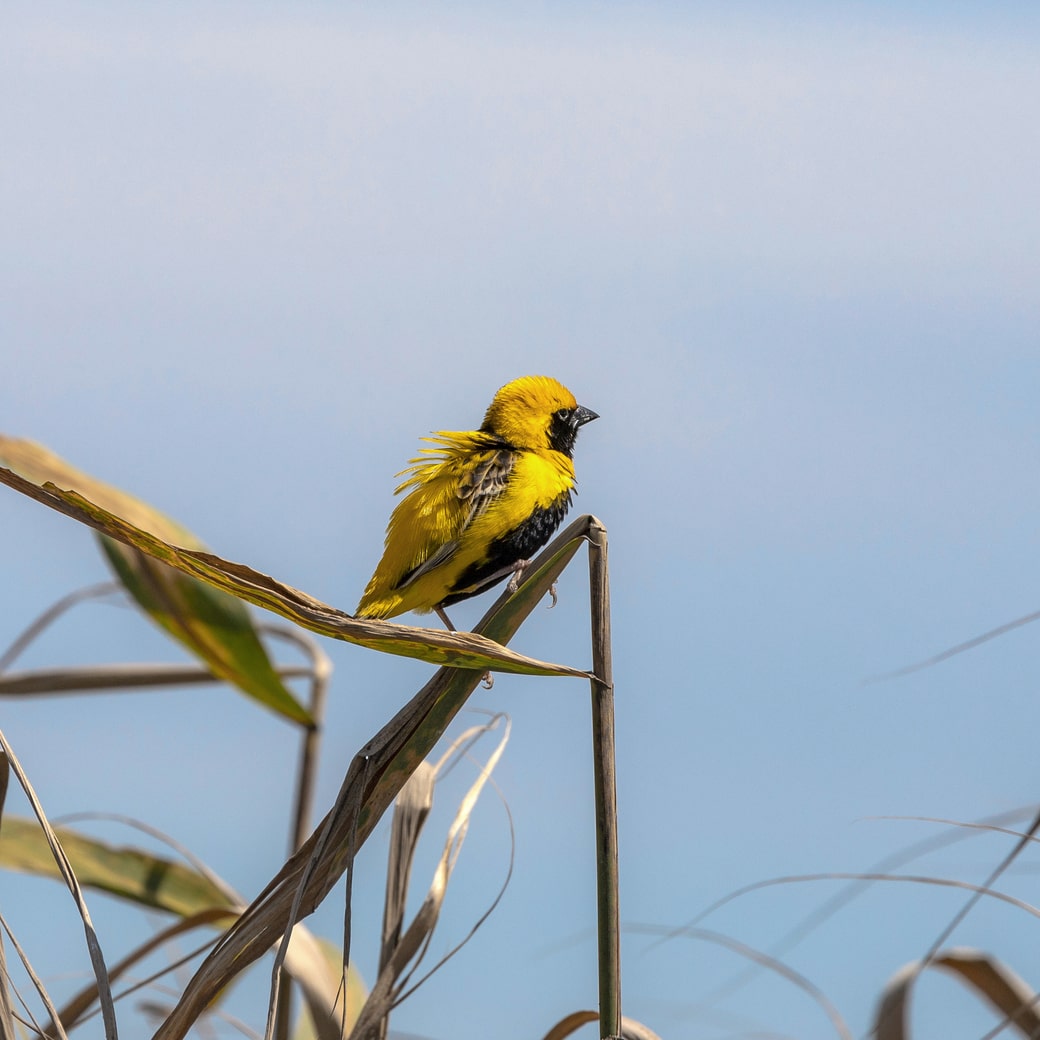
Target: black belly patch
520	544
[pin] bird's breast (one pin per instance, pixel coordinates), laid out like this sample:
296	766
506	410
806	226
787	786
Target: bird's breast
537	483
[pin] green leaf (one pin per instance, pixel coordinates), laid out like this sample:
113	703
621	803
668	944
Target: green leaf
213	625
209	623
128	873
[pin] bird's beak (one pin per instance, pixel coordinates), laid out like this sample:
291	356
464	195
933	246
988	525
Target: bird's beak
583	415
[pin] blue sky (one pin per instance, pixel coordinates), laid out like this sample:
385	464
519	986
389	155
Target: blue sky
251	255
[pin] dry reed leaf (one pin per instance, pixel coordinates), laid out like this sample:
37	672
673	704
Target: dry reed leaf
452	649
403	955
208	622
991	980
50	616
411	809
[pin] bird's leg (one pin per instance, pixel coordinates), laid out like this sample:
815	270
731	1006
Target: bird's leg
487	679
518	574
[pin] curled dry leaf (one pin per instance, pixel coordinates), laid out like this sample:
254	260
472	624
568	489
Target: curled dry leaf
630	1028
987	977
402	952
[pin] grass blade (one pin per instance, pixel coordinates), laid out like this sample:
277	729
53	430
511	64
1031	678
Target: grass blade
991	980
90	677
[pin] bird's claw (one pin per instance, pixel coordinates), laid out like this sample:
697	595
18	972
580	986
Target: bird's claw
555	598
487	680
518	575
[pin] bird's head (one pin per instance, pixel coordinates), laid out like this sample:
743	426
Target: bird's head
536	412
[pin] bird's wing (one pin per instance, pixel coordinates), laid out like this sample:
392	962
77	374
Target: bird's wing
477	482
486	480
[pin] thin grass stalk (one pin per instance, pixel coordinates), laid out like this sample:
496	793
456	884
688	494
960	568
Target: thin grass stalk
41	990
943	936
87	678
97	958
605	782
952	651
762	960
78	1007
6	1013
318	671
50	615
411	810
231	897
310	748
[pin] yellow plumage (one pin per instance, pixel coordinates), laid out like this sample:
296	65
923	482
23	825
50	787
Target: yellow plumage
480	502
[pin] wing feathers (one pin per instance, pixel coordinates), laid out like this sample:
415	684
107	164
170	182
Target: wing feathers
487	479
477	479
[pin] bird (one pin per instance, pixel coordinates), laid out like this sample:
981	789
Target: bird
480	503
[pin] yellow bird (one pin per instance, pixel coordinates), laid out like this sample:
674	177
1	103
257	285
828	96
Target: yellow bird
480	504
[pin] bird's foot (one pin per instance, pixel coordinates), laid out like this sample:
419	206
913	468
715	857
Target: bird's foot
487	680
555	598
518	574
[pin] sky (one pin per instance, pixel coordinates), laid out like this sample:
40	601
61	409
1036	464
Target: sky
252	253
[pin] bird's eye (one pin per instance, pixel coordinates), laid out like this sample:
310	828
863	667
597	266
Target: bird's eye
563	429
